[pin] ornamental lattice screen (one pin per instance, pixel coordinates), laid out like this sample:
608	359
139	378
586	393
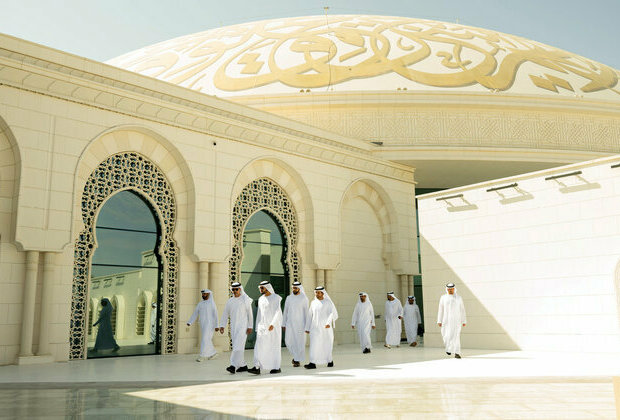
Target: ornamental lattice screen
265	194
125	171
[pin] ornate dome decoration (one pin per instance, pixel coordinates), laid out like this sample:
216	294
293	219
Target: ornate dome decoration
343	53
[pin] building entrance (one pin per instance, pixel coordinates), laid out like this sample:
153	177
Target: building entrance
124	307
264	258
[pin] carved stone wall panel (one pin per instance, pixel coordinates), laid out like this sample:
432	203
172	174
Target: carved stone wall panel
481	128
120	172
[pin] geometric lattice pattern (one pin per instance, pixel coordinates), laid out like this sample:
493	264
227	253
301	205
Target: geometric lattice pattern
125	171
265	194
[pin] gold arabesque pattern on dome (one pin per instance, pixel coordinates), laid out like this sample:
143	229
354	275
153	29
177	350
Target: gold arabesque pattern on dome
319	51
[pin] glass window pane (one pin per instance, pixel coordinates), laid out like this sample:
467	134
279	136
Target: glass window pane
263	220
124	248
127	210
125	271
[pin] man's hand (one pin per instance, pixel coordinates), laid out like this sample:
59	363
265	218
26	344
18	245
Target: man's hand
248	331
373	327
439	323
353	326
271	328
464	324
327	326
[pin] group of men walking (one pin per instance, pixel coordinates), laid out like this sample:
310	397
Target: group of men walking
316	320
364	320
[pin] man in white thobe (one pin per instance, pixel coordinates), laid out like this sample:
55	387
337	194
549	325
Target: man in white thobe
412	318
322	317
268	347
239	309
451	317
393	323
364	320
153	322
294	323
206	312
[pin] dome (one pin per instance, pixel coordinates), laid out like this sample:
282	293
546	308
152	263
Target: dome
368	53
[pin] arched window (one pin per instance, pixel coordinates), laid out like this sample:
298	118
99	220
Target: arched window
114	317
140	316
125	263
264	258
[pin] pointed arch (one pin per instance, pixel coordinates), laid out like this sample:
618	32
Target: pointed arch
265	194
119	172
371	192
295	188
10	175
154	147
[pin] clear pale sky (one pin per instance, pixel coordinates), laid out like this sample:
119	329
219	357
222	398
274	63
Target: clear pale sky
104	29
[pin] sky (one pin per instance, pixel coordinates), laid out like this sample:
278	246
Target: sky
104	29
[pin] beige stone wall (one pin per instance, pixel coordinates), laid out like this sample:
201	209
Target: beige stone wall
64	126
362	268
536	263
456	119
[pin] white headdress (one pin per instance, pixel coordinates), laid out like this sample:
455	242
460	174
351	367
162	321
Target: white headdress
326	297
301	288
359	301
267	286
243	295
450	286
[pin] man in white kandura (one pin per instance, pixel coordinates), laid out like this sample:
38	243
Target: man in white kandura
206	312
393	323
267	349
364	320
239	309
294	323
412	318
451	317
322	317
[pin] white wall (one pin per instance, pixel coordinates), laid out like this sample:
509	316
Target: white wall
362	269
535	267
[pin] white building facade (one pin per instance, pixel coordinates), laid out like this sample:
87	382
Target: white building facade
112	180
77	132
535	257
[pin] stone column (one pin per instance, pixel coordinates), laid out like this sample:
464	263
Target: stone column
319	277
329	285
403	287
329	280
203	283
46	302
28	301
218	283
410	284
203	274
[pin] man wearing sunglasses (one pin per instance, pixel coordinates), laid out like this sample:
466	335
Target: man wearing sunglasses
267	350
239	309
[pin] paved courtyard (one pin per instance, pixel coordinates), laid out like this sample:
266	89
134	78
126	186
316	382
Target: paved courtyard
398	383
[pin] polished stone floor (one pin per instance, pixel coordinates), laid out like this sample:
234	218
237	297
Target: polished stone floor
398	383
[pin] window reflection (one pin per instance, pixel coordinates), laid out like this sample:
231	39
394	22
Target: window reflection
264	255
125	271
